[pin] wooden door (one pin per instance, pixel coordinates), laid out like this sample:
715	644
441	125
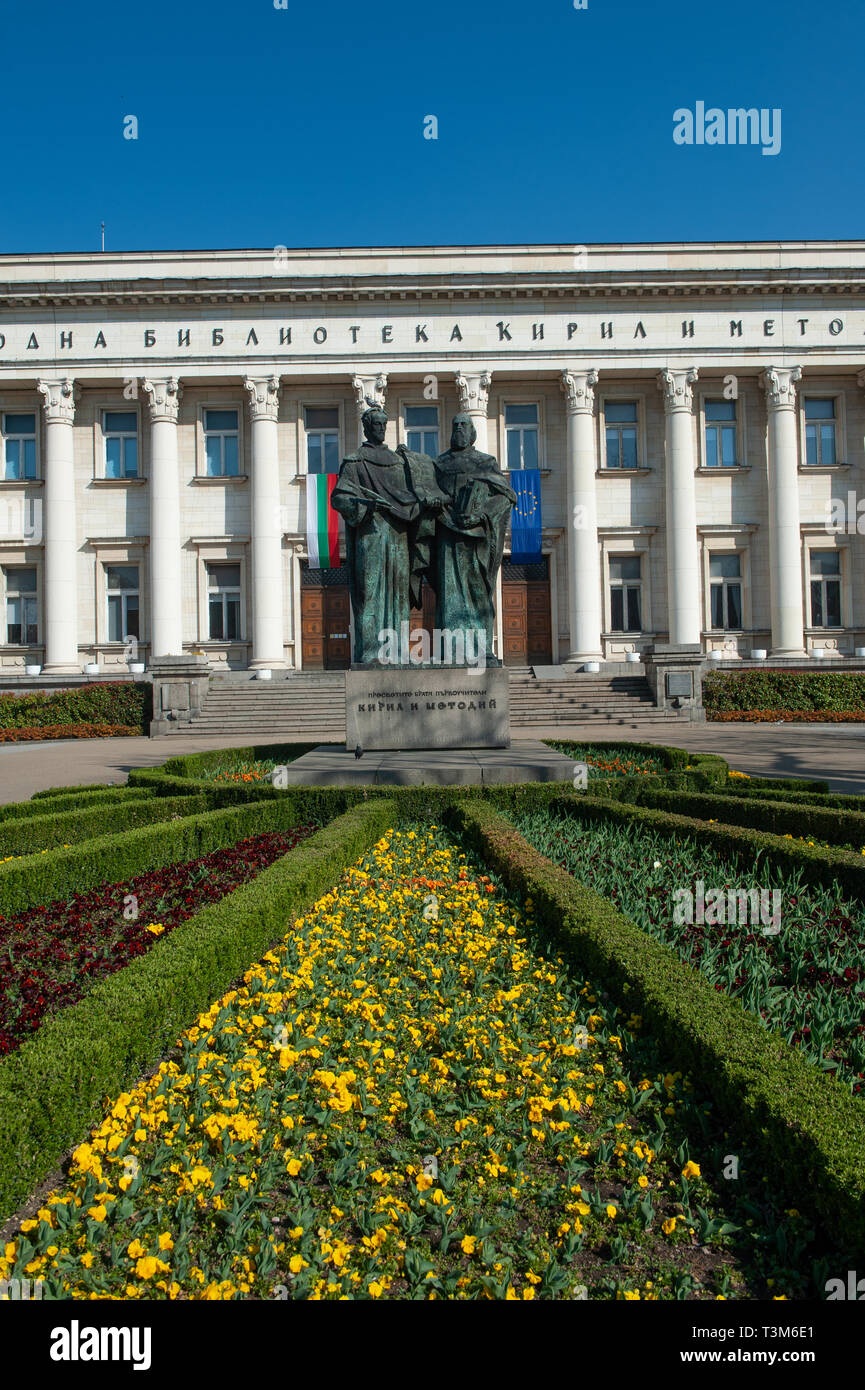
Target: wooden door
425	616
325	617
526	620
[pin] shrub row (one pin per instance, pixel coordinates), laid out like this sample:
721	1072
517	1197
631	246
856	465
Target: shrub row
807	1128
43	878
48	793
786	716
44	733
73	801
55	828
218	759
841	800
747	786
775	817
108	702
775	689
52	1089
830	868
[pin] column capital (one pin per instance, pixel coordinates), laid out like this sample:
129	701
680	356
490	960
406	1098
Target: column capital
676	384
579	391
263	400
165	396
369	388
474	391
60	397
779	385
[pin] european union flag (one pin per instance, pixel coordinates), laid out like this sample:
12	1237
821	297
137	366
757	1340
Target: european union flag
526	517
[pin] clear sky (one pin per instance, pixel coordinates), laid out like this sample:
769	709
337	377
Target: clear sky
304	126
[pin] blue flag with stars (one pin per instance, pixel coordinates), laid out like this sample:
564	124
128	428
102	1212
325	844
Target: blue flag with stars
526	517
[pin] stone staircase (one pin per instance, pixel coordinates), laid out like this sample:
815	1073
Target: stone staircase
594	700
309	706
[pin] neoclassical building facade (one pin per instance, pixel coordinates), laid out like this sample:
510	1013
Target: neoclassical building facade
696	412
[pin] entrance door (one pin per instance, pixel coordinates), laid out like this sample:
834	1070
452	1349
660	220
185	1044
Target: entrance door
425	616
526	623
325	615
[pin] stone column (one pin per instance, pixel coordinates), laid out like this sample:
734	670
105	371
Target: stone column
166	606
683	567
584	560
60	578
785	537
473	389
267	588
366	389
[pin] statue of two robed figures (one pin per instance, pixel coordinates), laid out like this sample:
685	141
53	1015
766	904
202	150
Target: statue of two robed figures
411	518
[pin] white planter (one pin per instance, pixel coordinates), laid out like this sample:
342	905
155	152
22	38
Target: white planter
860	651
91	668
818	653
758	654
32	670
592	666
716	654
136	668
633	658
263	675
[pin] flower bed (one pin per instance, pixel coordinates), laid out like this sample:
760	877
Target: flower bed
403	1100
609	760
53	955
807	981
44	732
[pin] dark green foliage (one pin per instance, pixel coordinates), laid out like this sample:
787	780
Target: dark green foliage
106	702
69	827
770	689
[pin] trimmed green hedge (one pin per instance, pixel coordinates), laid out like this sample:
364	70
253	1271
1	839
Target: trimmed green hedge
52	1090
43	878
217	759
56	828
51	792
776	784
830	868
807	1128
777	689
821	822
73	801
107	702
843	801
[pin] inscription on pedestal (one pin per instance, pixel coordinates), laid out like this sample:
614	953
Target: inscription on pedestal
454	707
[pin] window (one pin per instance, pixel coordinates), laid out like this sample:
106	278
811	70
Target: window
221	443
121	583
521	434
120	431
21	607
322	440
720	434
422	429
223	602
620	426
825	588
625	593
725	581
820	439
19	447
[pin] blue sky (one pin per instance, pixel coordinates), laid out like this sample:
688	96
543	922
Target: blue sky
304	127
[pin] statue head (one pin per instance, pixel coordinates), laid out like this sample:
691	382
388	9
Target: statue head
374	422
463	432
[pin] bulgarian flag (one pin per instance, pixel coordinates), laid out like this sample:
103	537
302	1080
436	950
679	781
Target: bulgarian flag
322	522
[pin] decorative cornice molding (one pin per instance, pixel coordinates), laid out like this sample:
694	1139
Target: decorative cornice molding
474	391
165	397
60	397
677	385
779	383
263	403
578	388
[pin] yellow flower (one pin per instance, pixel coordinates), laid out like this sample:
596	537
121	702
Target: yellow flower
669	1226
691	1170
468	1244
150	1265
611	1212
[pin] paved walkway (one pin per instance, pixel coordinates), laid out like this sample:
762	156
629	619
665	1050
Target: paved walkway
835	752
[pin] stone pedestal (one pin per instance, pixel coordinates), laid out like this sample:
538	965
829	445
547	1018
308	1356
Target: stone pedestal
674	673
179	687
427	707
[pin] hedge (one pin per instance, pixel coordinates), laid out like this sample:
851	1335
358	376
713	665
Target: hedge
840	800
44	878
774	689
189	764
808	1130
50	792
830	868
674	759
745	786
49	831
108	702
53	1089
73	801
775	817
49	732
